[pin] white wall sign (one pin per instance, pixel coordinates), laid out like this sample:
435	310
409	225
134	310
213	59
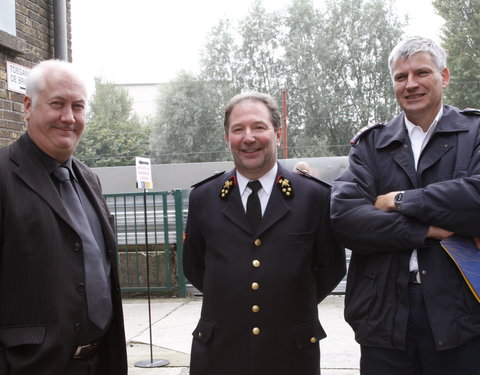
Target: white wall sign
17	77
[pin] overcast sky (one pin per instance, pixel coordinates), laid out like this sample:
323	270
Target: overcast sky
150	41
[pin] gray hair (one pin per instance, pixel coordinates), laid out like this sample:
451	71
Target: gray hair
36	79
415	44
254	96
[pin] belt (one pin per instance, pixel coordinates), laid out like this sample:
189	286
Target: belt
414	278
83	351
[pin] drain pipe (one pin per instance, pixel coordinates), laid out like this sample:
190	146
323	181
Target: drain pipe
60	29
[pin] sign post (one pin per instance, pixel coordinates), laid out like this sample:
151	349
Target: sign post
144	181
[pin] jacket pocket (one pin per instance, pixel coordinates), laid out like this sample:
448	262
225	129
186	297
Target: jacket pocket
308	333
301	236
204	330
15	336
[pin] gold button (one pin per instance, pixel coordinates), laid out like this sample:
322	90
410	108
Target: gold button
255	308
199	334
313	340
258	242
256	331
256	263
255	286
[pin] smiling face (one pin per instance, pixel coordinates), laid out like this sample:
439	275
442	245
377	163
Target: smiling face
418	86
252	138
55	114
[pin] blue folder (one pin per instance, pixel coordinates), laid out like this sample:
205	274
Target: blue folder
467	258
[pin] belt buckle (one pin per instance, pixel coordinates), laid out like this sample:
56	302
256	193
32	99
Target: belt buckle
82	351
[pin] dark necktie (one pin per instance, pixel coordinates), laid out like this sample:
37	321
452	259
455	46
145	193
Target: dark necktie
254	209
96	283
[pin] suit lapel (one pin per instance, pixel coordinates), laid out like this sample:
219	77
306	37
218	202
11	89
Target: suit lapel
89	186
33	174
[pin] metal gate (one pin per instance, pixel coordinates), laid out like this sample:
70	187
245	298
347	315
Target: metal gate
158	223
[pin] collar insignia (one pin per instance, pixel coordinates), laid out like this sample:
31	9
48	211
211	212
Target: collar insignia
285	187
228	187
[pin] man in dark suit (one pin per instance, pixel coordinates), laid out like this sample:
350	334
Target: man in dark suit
47	327
262	275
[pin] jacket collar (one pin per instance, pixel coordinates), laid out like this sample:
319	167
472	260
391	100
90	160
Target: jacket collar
451	122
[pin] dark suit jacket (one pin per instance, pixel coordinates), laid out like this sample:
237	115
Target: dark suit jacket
41	267
299	263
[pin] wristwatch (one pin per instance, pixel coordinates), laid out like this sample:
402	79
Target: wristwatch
398	200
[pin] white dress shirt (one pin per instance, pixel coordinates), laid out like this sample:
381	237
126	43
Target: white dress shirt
267	181
419	139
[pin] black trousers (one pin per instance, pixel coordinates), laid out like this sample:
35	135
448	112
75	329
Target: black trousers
420	356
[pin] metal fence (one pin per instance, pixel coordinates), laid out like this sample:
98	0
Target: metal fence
164	216
149	229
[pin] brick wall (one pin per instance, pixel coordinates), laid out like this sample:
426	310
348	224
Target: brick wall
34	42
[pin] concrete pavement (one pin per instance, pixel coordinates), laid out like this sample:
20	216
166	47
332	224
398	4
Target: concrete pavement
173	321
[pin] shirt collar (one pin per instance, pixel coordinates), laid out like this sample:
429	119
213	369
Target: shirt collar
411	126
49	163
267	180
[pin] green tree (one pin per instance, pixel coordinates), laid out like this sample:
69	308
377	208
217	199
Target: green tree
187	127
259	55
332	63
461	39
339	68
114	135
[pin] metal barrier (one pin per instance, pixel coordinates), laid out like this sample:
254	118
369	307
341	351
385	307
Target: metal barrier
163	232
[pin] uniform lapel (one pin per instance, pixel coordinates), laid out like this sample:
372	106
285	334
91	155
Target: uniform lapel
233	208
277	206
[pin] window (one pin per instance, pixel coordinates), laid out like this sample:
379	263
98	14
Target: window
7	16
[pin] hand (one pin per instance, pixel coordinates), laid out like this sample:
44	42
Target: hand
386	202
477	242
438	233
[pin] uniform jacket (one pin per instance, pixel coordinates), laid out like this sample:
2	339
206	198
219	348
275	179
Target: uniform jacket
42	270
445	192
293	258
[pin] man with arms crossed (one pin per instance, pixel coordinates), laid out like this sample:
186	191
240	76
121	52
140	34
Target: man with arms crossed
412	182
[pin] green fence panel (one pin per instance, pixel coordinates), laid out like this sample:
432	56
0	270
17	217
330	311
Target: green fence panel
160	226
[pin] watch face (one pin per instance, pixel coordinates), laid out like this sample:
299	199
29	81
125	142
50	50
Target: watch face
398	198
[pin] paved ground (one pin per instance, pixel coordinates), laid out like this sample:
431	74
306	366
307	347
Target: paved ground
173	321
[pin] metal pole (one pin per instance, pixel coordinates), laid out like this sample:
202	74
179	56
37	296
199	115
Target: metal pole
60	29
157	362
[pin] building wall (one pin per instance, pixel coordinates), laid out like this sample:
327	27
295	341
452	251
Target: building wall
33	42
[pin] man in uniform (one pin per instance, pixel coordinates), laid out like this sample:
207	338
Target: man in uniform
260	248
411	183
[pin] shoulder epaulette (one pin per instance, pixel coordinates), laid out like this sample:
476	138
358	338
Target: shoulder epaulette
470	112
304	173
217	174
363	131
